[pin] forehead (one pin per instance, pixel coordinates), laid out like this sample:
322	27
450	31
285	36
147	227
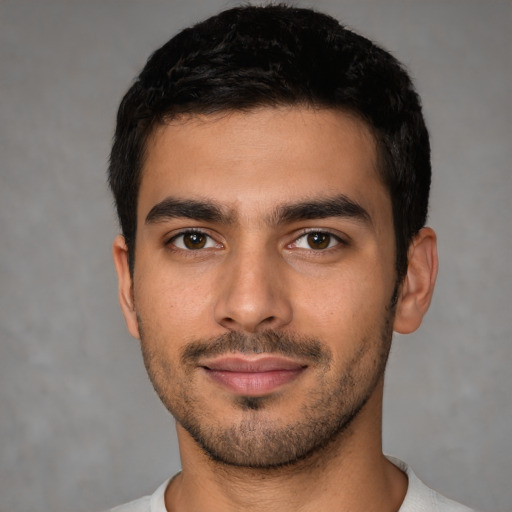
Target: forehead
250	162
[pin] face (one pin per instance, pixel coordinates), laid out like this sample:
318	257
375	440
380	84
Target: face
264	274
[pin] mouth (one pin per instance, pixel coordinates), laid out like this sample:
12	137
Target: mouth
248	376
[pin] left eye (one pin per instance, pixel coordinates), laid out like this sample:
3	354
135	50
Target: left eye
316	240
193	241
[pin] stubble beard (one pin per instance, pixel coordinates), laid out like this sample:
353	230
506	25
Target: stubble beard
256	441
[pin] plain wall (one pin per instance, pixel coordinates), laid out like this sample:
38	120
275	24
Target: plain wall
80	426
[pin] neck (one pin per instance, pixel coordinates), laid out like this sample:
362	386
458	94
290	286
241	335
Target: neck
350	473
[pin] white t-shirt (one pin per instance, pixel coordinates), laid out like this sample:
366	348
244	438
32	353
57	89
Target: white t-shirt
419	497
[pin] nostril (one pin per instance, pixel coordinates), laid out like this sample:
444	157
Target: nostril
251	307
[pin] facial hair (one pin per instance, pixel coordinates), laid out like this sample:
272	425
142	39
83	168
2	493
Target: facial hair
257	440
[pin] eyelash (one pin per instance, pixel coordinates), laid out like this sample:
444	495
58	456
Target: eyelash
191	231
339	240
209	239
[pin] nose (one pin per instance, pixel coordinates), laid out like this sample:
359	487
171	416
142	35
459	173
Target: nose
252	295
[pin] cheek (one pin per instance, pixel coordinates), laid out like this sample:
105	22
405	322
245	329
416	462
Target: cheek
172	302
345	305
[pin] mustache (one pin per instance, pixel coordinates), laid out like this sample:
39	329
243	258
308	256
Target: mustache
273	342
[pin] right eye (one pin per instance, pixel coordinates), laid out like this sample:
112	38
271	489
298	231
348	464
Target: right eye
193	241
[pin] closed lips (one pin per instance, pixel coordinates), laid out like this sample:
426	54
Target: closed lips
266	364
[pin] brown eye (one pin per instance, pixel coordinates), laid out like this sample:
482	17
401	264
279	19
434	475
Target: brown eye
318	240
194	240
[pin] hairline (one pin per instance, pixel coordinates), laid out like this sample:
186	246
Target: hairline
160	121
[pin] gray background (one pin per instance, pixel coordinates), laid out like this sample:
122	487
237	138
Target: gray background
80	426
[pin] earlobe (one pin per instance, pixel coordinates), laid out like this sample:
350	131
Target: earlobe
418	285
125	285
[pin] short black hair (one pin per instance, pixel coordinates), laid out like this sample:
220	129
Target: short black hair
270	56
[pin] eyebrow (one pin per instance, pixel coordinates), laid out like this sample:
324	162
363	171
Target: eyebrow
171	208
210	211
338	206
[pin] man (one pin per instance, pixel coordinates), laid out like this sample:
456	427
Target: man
271	171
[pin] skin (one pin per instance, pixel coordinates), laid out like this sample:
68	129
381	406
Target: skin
258	272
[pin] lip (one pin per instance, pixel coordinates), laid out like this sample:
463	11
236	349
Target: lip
253	377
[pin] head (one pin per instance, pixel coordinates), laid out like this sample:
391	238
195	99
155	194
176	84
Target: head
271	174
251	57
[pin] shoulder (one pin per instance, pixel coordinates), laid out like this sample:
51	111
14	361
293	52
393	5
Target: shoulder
153	503
420	498
140	505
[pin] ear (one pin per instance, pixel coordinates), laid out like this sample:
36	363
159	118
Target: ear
125	285
418	284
